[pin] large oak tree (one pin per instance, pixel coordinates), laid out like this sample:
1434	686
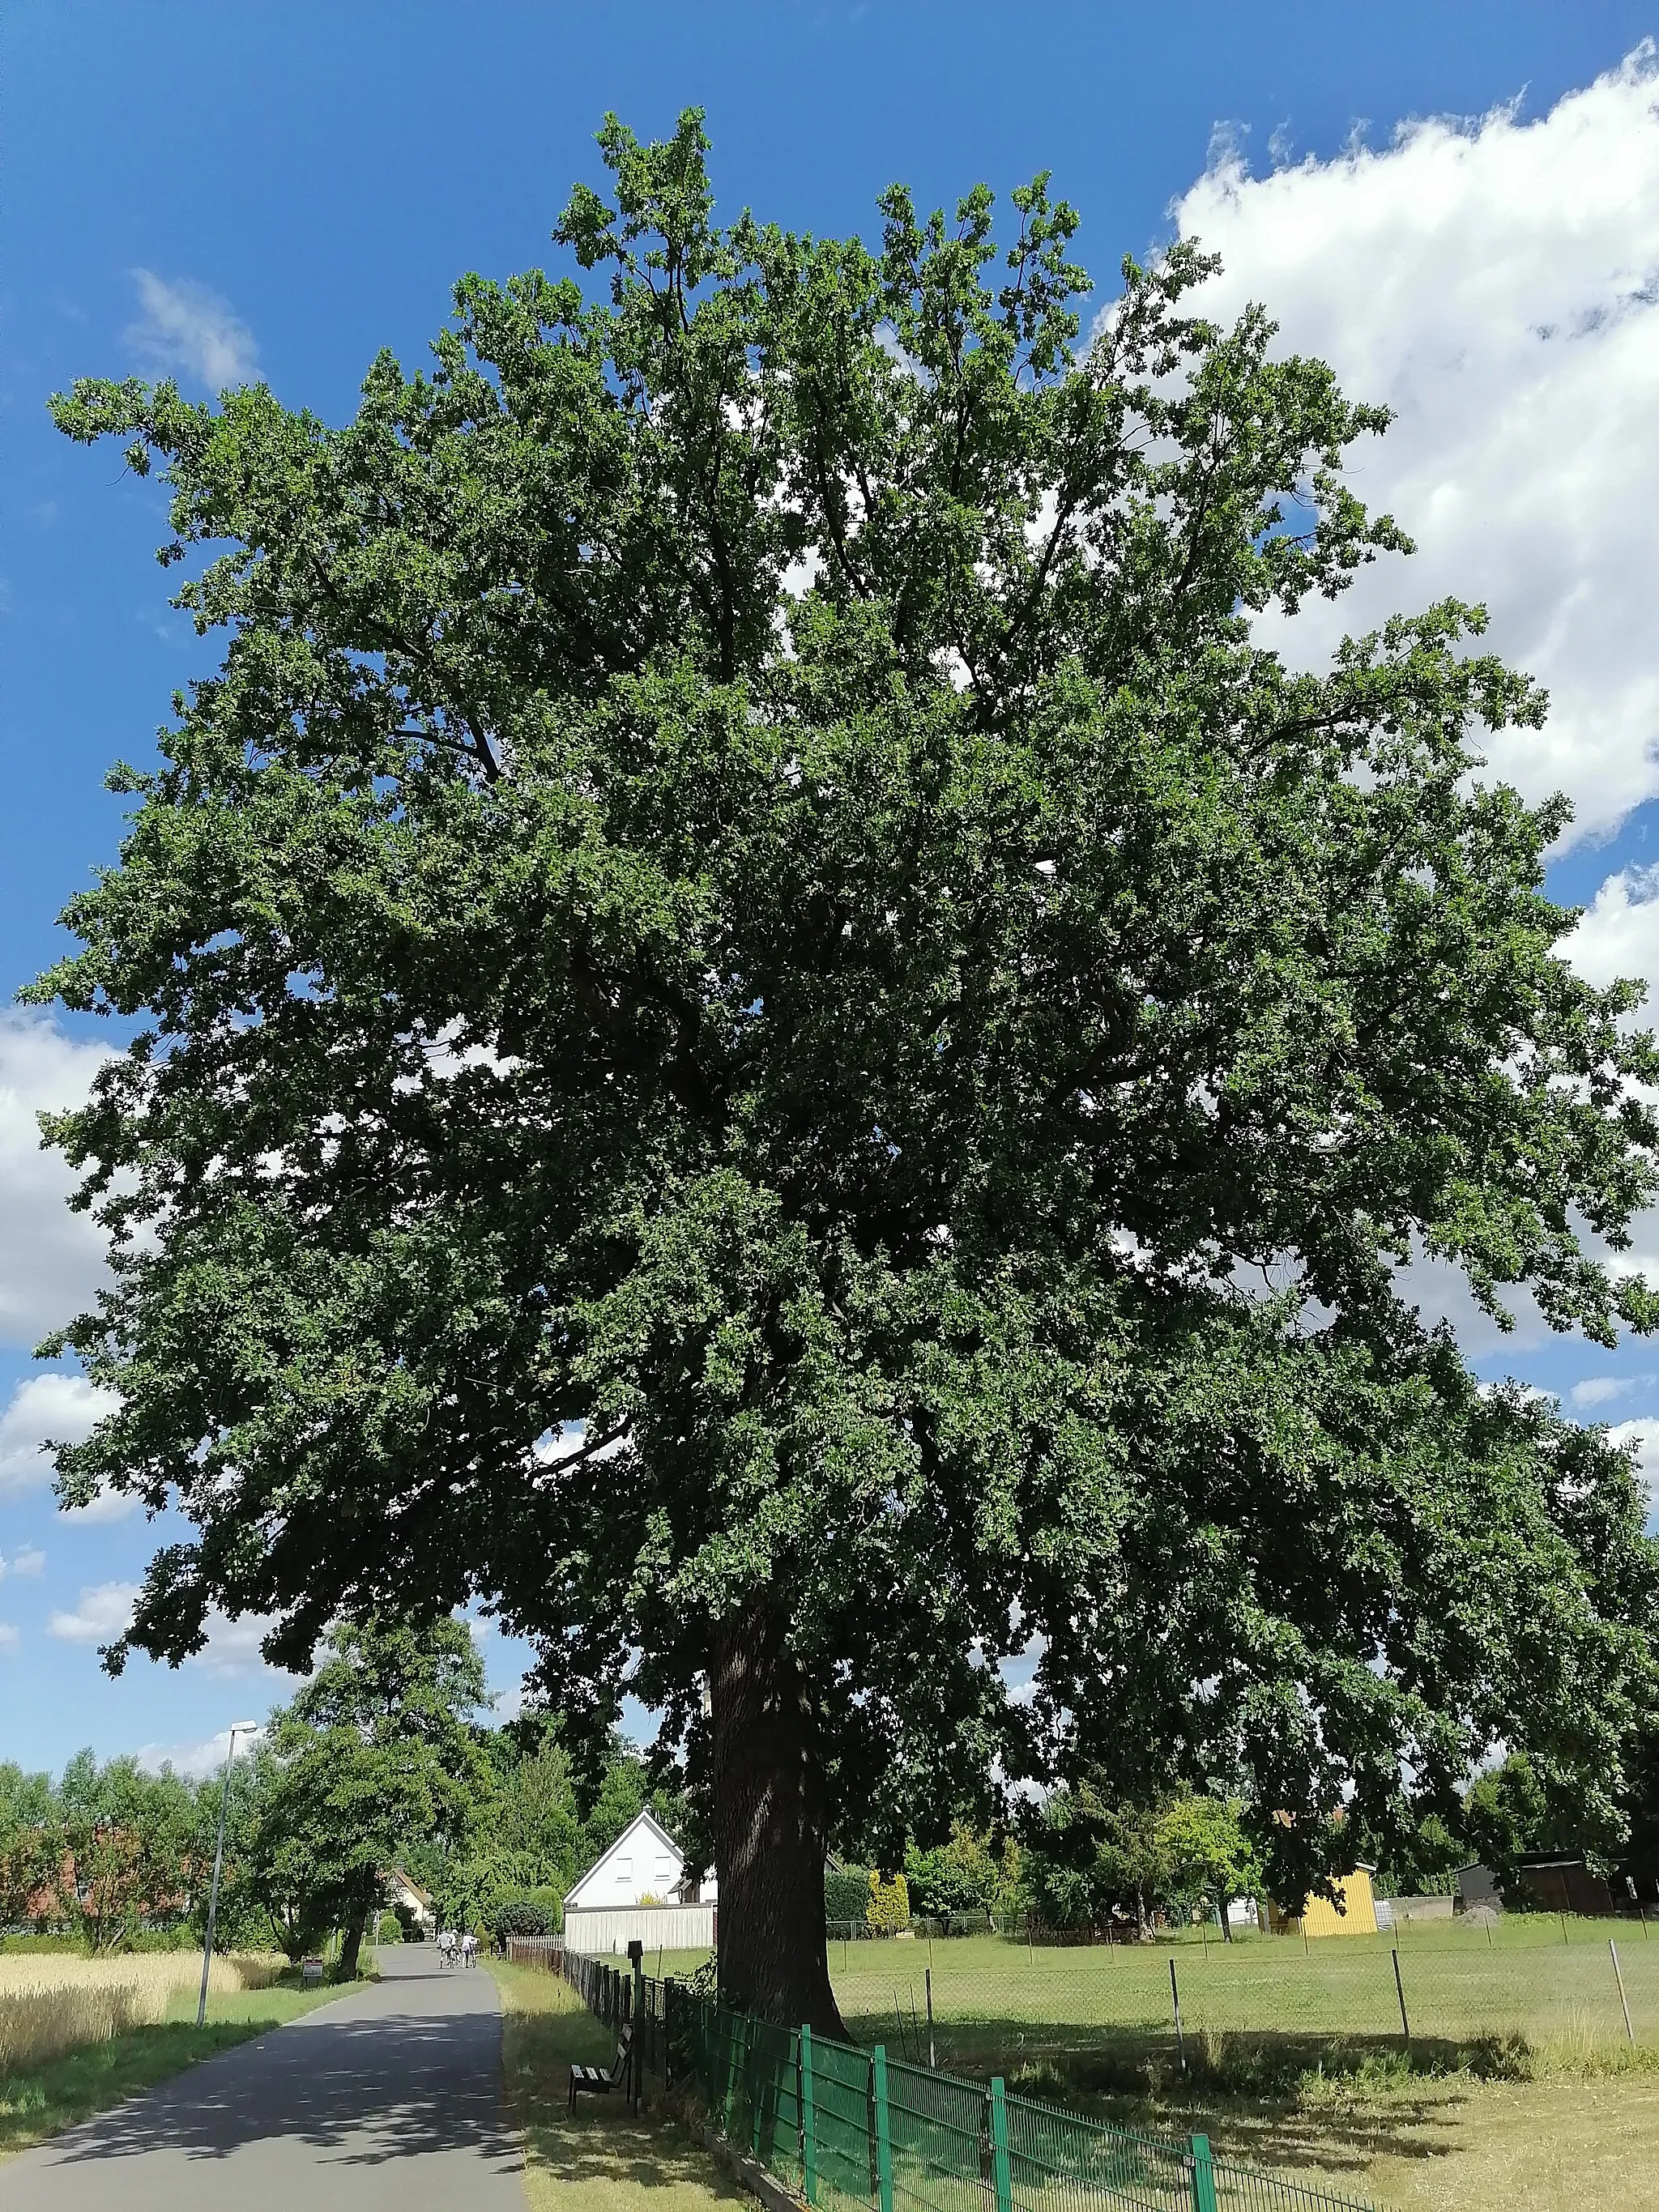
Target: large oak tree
742	884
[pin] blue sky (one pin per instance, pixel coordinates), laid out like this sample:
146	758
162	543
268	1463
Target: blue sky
282	190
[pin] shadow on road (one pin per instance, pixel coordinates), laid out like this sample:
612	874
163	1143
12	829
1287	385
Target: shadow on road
359	2090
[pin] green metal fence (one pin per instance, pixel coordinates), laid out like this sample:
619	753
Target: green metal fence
844	2128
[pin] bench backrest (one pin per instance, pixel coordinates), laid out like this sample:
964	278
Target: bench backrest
622	2048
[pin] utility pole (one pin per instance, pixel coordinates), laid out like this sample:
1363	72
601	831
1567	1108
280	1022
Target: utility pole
242	1728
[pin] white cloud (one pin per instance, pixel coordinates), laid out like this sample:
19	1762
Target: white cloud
1597	1390
186	327
9	1636
1619	935
102	1614
1496	283
56	1404
108	1505
104	1611
1644	1435
50	1260
198	1759
233	1646
29	1561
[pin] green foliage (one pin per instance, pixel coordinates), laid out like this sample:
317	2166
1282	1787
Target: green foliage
529	1831
526	1916
388	1929
374	1749
1208	1857
847	1891
959	1876
1422	1860
743	881
1093	1859
888	1908
1510	1811
130	1846
30	1855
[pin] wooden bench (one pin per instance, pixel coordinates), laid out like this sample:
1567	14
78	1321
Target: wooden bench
596	2078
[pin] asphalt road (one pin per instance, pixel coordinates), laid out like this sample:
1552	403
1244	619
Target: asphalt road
387	2101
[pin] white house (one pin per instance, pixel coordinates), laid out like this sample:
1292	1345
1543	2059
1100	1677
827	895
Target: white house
407	1895
637	1890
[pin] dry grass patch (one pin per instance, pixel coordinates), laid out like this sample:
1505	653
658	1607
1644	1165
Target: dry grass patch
600	2158
1462	2145
44	2098
52	2005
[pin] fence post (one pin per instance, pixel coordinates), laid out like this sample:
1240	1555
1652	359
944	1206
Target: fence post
1001	2166
1175	1995
809	2131
636	2006
1400	1991
1623	2006
1203	2176
884	2139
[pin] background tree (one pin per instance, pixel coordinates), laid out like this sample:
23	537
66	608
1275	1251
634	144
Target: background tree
959	1876
374	1751
1092	1858
30	1848
1511	1811
122	1839
1423	1857
743	881
1208	1858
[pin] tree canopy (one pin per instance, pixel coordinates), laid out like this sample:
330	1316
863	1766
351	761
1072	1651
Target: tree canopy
374	1750
774	1042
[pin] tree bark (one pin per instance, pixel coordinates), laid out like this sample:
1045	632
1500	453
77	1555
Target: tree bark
352	1943
769	1827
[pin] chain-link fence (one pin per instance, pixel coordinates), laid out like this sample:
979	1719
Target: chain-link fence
1532	1982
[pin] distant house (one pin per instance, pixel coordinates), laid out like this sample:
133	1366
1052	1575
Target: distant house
637	1892
644	1865
410	1901
1318	1915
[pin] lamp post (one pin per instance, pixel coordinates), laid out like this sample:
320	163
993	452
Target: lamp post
241	1727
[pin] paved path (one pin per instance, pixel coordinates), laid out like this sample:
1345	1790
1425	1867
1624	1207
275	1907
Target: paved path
387	2101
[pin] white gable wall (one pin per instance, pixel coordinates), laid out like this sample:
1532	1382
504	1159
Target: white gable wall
644	1862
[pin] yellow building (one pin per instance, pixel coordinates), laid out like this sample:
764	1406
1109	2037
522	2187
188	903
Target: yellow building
1319	1917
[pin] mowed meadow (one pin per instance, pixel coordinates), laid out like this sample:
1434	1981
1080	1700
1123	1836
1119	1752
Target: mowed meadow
1535	1986
1519	2089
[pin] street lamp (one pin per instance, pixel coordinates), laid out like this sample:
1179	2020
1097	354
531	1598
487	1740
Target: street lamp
241	1727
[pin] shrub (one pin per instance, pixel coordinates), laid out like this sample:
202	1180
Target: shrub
846	1892
889	1907
388	1929
525	1916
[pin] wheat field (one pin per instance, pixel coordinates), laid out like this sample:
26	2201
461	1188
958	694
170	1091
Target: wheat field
50	2006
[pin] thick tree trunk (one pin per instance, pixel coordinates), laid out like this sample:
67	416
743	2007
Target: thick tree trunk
769	1828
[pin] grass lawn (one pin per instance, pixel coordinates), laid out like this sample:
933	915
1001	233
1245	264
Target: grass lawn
43	2102
1520	2090
601	2158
